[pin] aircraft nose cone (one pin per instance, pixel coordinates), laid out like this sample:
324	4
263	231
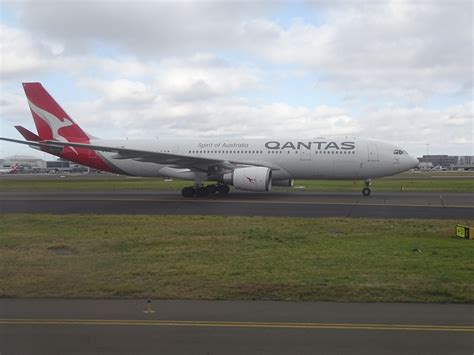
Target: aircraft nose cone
413	162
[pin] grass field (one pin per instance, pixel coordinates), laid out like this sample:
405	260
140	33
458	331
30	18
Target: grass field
454	182
262	258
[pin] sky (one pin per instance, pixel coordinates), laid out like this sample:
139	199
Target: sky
395	71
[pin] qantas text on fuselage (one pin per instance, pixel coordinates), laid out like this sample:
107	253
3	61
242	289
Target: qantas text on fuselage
319	145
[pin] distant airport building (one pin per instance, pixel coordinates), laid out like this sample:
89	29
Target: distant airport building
34	164
28	162
58	165
464	162
62	165
446	162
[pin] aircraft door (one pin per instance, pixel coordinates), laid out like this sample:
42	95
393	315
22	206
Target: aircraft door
373	152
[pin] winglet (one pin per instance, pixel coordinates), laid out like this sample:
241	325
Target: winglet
28	135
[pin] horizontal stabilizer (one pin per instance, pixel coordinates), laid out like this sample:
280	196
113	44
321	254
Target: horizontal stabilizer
28	135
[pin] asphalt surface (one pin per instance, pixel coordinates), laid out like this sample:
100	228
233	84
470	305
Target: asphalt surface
297	204
221	327
238	327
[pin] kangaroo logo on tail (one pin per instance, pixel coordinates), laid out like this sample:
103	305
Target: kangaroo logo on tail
52	121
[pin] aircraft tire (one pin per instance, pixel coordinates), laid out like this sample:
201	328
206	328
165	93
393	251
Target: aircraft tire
187	191
223	189
366	191
202	191
212	189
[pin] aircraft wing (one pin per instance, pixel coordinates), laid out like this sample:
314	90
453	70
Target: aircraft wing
169	159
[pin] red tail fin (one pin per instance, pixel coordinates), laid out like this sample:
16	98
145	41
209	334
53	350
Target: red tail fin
51	121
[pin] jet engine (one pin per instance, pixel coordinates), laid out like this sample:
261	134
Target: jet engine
253	178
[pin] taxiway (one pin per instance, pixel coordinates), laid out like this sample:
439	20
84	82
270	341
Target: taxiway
232	327
295	204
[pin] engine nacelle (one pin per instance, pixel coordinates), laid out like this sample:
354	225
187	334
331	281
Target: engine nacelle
286	183
253	178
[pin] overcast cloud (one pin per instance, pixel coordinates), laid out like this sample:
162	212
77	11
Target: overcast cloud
398	71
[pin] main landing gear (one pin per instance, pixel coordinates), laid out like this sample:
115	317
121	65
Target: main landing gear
203	191
366	190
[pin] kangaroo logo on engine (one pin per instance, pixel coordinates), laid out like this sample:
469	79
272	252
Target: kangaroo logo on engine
251	180
319	145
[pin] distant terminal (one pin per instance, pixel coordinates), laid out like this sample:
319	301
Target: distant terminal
31	164
446	162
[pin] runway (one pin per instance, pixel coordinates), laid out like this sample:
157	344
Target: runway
237	327
295	204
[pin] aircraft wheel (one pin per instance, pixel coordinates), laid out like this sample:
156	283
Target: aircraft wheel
202	191
187	191
366	191
223	189
212	189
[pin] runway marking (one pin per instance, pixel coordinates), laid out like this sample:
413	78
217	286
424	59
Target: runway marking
354	203
219	324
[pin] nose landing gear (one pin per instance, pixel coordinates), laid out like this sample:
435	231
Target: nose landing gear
366	190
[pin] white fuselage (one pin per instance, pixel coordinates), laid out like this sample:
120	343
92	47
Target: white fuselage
321	158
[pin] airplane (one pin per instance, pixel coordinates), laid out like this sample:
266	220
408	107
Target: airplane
246	164
11	170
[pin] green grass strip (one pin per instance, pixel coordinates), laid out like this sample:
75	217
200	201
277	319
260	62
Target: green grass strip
258	258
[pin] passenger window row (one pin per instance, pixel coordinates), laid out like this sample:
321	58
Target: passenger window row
261	152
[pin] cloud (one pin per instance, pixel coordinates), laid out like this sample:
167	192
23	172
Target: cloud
12	104
20	55
203	76
209	69
408	50
447	130
217	116
24	56
144	27
199	77
120	91
399	50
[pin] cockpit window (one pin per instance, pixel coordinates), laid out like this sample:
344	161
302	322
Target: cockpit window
399	152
